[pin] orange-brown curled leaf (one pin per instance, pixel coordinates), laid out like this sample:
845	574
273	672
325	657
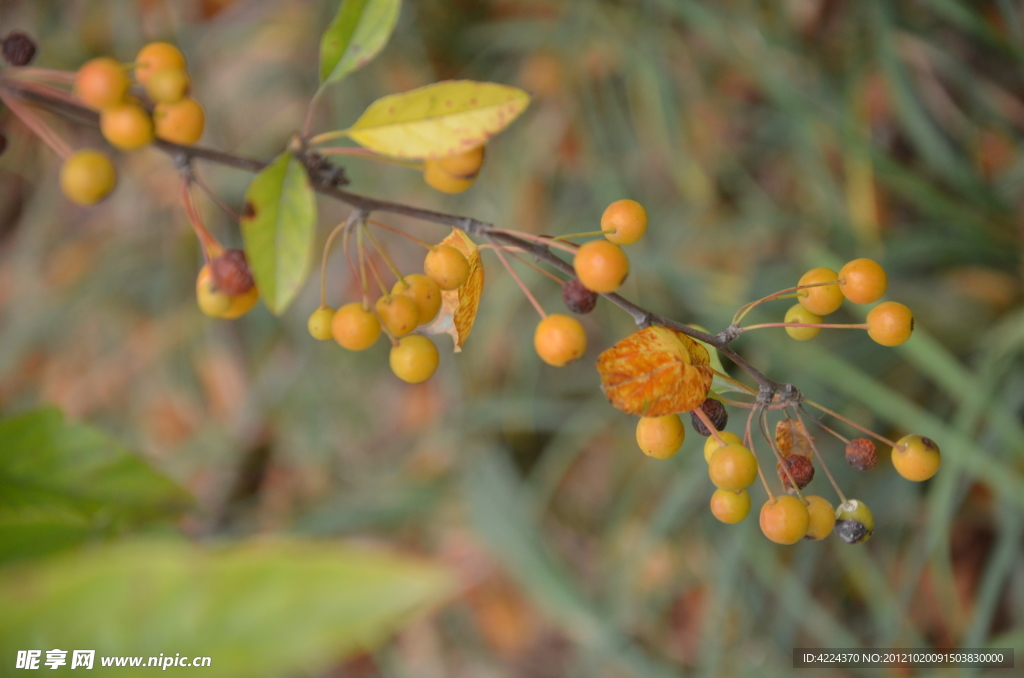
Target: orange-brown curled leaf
654	372
792	438
459	306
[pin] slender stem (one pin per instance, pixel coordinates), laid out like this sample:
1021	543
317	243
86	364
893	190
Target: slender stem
307	121
376	276
211	248
850	423
762	425
519	281
781	294
53	75
738	384
702	415
328	136
41	130
362	269
583	235
513	250
749	442
383	255
821	460
327	250
860	326
232	214
829	430
536	238
421	243
348	258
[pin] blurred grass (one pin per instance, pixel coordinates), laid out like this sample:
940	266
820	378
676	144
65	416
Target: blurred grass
764	138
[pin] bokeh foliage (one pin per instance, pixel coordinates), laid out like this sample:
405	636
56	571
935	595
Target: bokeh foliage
763	137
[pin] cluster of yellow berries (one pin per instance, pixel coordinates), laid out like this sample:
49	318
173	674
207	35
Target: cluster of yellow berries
601	266
414	301
128	122
861	281
454	173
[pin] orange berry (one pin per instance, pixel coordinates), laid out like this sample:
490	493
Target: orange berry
601	266
157	56
87	176
916	458
863	281
319	323
822	518
660	437
168	86
629	220
126	126
798	314
823	299
355	328
211	301
730	507
442	181
890	323
446	266
414	359
101	82
559	339
711	444
463	165
181	122
732	467
242	303
424	292
785	520
399	314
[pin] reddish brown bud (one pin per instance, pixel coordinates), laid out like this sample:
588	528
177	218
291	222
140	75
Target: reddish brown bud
861	454
716	412
800	467
231	272
18	49
578	298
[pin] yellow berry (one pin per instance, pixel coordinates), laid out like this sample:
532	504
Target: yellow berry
319	323
354	327
399	314
155	57
863	281
126	126
822	518
785	519
211	301
242	303
463	165
711	444
916	458
87	176
424	292
446	266
732	467
101	82
730	506
854	522
823	299
890	323
628	218
414	359
660	437
168	86
798	314
181	122
601	266
559	339
442	181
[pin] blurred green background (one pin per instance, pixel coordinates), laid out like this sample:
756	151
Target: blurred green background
764	138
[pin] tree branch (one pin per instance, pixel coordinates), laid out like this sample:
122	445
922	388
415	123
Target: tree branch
328	183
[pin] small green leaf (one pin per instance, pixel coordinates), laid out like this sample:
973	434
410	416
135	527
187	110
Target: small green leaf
62	484
278	227
267	608
359	31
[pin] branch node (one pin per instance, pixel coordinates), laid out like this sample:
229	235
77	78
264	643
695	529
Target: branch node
729	334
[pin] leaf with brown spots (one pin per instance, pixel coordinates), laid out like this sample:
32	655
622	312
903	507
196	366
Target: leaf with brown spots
654	372
459	306
792	438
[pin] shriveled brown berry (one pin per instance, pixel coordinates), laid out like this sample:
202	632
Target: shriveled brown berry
578	298
800	467
231	272
19	49
716	412
861	454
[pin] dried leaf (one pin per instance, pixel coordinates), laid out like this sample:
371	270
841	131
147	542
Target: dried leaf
459	306
654	372
792	438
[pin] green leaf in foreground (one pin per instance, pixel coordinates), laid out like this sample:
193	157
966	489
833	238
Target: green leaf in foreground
274	608
63	483
359	31
278	227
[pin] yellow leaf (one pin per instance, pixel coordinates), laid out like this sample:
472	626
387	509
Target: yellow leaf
654	372
438	120
792	438
459	306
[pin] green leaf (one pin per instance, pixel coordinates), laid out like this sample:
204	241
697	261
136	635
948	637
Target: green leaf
278	226
359	31
269	608
61	484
